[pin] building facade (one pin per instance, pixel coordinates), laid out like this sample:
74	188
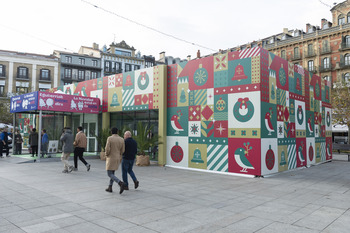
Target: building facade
323	50
26	72
120	57
75	67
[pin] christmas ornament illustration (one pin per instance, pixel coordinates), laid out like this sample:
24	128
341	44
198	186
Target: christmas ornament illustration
311	152
241	155
239	73
270	158
68	91
176	153
300	115
143	80
268	123
197	157
220	104
200	77
283	159
175	122
328	119
273	95
300	153
243	110
115	101
309	126
298	84
128	81
182	96
282	76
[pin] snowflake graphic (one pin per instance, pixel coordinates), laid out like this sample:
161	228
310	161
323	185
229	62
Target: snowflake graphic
280	130
194	129
201	76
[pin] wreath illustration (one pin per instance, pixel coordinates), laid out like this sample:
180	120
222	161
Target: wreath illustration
328	119
243	110
300	115
143	81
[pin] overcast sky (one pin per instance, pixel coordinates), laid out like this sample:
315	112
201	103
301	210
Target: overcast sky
41	26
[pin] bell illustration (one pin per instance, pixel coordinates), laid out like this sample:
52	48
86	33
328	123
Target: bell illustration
115	102
128	81
283	159
197	158
239	73
298	85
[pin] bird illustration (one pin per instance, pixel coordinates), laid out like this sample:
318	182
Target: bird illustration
310	126
300	154
241	159
176	124
328	150
268	123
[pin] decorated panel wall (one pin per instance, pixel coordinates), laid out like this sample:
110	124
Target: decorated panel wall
247	112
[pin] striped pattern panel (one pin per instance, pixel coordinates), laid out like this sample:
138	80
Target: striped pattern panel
253	52
200	97
217	158
323	151
128	98
281	97
292	157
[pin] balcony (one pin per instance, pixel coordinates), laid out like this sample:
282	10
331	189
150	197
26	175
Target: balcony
324	68
344	65
310	53
113	71
21	76
44	79
296	57
325	50
312	69
344	46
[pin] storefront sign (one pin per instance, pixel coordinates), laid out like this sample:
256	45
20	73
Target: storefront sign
25	102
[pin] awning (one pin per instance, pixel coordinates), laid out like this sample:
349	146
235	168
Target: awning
338	128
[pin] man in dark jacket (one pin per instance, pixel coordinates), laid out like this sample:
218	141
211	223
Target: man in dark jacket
4	142
33	141
67	140
128	160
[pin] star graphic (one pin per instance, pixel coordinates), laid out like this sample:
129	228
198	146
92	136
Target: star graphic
220	129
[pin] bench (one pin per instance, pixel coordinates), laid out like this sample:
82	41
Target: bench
339	147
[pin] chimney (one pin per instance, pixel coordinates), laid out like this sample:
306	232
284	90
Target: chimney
198	54
161	55
95	46
323	21
307	27
285	30
189	58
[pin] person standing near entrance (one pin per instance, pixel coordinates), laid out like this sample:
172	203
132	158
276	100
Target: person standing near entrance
80	144
33	141
44	143
4	142
67	139
115	147
128	160
18	143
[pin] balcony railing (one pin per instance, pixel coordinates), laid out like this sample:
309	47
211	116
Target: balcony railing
344	46
344	65
296	57
325	50
312	69
324	68
310	53
21	76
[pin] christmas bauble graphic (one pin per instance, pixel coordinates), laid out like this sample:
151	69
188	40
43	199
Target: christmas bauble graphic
282	76
220	104
243	110
270	158
311	153
200	77
176	153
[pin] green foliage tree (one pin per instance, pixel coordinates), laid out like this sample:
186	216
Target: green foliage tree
102	138
341	104
145	139
5	115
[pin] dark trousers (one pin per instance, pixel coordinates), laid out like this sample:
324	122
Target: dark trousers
4	147
127	168
34	150
79	152
18	148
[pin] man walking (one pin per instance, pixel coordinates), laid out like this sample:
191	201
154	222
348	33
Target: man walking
67	148
128	160
18	143
4	142
44	143
33	141
115	147
80	144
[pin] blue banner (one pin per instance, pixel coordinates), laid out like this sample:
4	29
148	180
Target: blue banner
25	102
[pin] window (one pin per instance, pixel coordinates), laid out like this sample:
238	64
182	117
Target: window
136	67
94	62
341	20
45	74
43	89
93	75
123	53
347	59
68	73
347	41
325	46
283	54
348	18
68	59
81	75
310	49
296	52
346	77
326	63
108	66
127	67
21	90
22	72
81	61
2	70
327	78
87	74
117	66
2	90
310	65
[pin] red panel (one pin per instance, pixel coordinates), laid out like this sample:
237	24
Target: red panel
301	152
172	86
105	95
